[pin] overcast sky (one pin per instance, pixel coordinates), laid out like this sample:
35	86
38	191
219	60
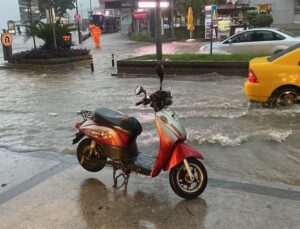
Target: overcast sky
9	10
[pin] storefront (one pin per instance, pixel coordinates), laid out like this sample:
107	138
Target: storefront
231	19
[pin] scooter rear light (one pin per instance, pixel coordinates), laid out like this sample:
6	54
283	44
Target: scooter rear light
252	77
77	125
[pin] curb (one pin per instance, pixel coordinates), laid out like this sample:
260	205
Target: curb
126	67
49	64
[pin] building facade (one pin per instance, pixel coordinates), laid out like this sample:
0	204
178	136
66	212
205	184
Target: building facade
284	11
29	10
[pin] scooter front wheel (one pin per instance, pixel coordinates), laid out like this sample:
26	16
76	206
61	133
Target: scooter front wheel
181	183
92	160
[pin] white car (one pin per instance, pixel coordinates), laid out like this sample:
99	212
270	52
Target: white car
253	41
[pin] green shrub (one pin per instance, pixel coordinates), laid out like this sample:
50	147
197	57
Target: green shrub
142	36
181	33
260	20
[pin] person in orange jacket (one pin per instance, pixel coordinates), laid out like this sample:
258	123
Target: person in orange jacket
96	34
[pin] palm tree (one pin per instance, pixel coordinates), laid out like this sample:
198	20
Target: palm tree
44	31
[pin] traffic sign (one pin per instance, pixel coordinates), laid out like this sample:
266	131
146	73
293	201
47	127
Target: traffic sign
77	17
6	39
214	12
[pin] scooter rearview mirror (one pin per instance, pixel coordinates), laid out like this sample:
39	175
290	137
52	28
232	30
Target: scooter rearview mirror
139	89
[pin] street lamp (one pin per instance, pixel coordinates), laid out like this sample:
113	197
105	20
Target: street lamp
157	4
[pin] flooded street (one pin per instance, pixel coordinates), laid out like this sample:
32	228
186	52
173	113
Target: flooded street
38	113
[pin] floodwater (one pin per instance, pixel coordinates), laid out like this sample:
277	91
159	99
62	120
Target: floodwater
38	113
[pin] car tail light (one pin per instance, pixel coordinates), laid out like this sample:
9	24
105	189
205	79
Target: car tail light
252	77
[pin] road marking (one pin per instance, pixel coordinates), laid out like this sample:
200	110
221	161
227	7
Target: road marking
31	182
212	182
255	189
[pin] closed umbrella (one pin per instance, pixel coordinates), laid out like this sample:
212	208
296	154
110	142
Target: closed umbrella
190	21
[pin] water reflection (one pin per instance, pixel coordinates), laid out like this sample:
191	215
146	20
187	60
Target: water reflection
105	208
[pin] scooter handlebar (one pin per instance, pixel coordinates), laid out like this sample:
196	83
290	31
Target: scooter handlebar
144	101
139	102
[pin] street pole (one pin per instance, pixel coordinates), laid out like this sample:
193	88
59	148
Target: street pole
31	21
90	5
53	23
211	35
172	18
78	26
158	31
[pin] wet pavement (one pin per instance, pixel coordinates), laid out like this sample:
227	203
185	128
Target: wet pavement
63	195
252	155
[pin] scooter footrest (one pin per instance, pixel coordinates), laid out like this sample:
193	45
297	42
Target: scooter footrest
143	164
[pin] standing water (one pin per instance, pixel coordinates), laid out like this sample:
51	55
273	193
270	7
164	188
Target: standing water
38	113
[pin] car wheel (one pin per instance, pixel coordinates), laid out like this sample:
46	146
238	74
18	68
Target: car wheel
286	97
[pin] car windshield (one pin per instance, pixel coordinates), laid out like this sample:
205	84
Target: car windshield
280	54
287	33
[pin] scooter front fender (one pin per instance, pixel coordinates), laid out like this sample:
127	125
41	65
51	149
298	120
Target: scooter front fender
181	152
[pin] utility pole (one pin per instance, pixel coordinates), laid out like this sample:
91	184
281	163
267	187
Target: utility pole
52	20
172	18
78	26
31	20
158	30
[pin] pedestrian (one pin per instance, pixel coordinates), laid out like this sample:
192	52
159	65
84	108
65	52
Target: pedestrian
19	30
96	34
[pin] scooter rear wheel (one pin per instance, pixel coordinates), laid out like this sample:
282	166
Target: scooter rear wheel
181	183
92	161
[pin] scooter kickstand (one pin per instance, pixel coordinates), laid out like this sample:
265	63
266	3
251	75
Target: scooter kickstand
114	177
125	179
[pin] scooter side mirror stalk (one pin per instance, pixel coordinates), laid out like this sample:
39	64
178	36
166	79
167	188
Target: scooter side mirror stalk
160	73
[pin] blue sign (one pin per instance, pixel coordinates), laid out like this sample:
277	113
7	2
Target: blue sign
214	12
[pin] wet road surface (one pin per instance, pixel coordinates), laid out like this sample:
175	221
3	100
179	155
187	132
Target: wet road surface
240	145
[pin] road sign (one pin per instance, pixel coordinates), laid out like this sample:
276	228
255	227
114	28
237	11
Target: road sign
77	17
6	39
214	12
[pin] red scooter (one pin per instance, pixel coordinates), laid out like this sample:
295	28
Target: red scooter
111	140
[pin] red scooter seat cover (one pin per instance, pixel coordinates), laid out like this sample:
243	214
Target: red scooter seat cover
116	118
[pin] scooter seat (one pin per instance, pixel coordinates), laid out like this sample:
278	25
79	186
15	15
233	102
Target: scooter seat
116	118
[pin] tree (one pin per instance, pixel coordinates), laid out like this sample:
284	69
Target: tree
260	20
181	6
60	6
44	31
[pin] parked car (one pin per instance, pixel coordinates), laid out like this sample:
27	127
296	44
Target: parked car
254	41
275	80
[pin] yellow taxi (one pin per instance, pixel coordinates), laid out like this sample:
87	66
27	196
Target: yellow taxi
275	80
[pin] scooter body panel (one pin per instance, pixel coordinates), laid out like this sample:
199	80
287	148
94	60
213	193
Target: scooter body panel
170	131
181	152
113	142
101	134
